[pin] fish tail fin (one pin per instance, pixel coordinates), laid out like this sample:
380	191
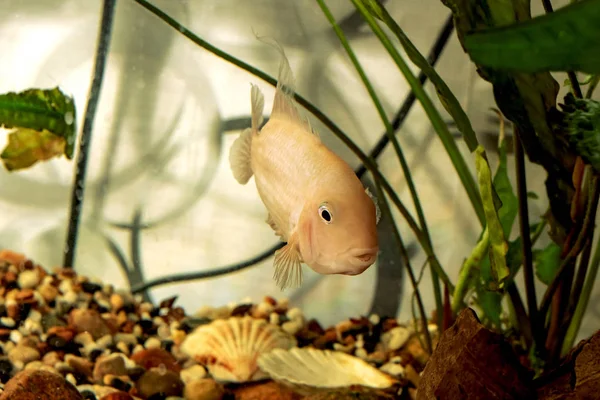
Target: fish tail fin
239	157
284	105
258	104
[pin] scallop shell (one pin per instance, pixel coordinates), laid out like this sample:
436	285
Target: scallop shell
306	369
229	348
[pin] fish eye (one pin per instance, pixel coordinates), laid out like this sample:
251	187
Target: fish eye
325	214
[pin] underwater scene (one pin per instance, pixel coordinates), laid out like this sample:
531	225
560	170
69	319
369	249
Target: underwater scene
299	199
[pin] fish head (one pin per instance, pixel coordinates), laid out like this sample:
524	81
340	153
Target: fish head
338	232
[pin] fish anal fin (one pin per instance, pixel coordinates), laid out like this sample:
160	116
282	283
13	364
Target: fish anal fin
288	267
274	226
239	157
377	209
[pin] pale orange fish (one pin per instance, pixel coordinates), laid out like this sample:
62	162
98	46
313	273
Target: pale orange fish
315	201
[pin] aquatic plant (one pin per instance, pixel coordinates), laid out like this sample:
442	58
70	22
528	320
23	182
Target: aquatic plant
563	142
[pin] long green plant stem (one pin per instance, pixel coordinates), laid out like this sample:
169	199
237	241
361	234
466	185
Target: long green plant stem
78	187
518	308
582	304
536	328
433	114
588	223
400	154
592	86
371	166
409	269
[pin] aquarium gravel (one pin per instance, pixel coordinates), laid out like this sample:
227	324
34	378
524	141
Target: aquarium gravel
83	339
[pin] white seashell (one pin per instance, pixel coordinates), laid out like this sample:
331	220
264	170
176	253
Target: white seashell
306	368
229	348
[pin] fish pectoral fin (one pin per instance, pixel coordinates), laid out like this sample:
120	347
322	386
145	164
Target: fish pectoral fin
274	226
377	210
239	157
288	267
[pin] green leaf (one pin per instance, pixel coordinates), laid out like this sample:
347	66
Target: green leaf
498	246
40	110
532	195
26	147
491	304
567	39
447	98
547	262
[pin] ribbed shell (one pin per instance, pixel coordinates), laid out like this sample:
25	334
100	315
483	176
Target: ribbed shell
306	368
230	348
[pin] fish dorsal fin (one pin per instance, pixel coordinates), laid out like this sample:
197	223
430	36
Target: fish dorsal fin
288	267
257	107
239	157
274	226
377	210
284	105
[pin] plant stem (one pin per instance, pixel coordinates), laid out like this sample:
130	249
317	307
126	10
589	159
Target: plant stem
536	327
390	134
465	273
582	304
370	165
432	58
521	315
439	125
588	223
592	86
409	269
78	188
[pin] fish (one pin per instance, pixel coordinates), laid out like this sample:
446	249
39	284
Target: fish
315	202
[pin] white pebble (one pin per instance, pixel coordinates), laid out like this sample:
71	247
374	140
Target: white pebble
71	379
274	318
158	321
104	341
84	338
152	343
346	349
15	336
35	315
393	369
7	322
374	319
123	348
146	307
193	373
295	313
137	349
292	327
264	308
395	338
163	332
28	279
361	353
65	286
70	297
127	338
360	341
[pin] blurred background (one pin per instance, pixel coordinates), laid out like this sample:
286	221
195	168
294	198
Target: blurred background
160	196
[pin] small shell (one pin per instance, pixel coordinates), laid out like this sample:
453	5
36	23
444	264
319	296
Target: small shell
229	348
306	369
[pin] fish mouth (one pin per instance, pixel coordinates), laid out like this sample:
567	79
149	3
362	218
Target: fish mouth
361	259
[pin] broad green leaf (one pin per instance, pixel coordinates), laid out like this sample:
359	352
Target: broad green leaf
39	110
547	262
526	99
567	39
447	98
498	246
26	147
